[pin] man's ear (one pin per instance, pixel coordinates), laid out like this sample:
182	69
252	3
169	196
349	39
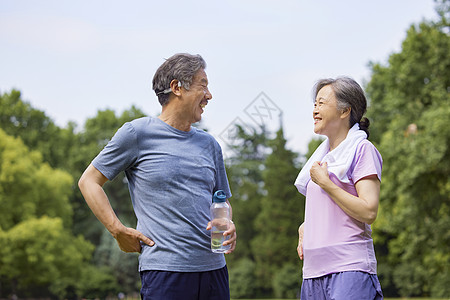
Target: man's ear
175	85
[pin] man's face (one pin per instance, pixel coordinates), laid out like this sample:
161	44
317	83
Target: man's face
197	97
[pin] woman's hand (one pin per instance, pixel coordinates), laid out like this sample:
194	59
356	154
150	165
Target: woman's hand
300	241
319	173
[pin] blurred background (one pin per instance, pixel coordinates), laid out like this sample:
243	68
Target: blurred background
71	73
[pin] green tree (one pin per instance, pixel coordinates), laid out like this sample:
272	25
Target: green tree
65	149
28	187
19	119
244	170
71	152
410	111
97	283
41	256
286	283
282	209
242	279
312	146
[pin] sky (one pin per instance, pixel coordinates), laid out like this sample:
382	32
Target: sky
73	58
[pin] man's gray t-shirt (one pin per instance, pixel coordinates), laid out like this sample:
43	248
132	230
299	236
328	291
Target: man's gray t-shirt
172	175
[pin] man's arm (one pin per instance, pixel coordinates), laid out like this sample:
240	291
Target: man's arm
91	186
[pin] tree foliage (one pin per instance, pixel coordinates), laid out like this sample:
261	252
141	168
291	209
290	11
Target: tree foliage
410	112
38	132
244	170
267	211
242	279
286	282
29	187
40	254
274	244
31	145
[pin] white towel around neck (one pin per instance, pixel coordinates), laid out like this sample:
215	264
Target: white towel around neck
339	159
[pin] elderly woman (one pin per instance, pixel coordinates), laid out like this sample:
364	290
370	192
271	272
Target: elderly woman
341	182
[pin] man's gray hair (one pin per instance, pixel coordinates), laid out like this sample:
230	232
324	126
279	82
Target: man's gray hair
182	67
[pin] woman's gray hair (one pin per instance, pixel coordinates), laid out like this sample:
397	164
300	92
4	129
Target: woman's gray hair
349	94
182	67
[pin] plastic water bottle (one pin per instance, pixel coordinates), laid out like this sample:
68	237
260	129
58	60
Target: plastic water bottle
220	222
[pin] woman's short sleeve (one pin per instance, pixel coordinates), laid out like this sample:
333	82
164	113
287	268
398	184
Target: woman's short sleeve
367	161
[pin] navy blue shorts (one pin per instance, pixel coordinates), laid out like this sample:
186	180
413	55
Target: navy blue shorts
164	285
350	285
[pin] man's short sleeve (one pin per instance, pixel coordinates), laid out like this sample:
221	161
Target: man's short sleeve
119	154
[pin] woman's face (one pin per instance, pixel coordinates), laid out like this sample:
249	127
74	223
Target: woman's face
327	116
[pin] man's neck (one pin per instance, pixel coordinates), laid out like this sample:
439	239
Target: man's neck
174	119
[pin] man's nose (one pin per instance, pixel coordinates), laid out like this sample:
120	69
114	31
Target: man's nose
208	95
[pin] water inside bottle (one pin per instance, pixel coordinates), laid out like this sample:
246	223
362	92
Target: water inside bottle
217	240
219	226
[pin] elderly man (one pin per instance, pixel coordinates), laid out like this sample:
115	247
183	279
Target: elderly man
173	169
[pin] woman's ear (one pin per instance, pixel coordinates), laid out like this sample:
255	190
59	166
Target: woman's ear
346	113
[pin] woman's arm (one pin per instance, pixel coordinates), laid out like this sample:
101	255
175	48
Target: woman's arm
363	207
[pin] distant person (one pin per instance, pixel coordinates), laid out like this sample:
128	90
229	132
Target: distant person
341	182
173	170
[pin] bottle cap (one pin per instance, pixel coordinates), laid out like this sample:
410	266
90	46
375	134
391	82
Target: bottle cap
219	196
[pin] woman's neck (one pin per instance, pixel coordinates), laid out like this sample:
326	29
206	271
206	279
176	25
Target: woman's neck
337	138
